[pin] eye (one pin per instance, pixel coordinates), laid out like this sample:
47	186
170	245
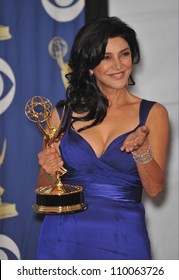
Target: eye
106	57
126	53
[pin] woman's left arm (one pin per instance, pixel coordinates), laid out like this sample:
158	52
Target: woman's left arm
149	145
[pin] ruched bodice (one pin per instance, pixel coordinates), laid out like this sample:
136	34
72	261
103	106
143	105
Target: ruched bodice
113	191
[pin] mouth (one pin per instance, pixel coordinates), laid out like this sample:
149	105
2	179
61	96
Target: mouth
118	75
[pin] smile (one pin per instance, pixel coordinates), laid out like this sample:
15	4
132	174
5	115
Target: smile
117	75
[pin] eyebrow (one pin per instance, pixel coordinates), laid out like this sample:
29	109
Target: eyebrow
126	49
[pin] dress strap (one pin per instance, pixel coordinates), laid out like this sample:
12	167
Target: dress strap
59	106
63	109
145	108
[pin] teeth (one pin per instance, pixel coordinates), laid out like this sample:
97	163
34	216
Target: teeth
117	75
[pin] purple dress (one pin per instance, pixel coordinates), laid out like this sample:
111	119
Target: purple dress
113	227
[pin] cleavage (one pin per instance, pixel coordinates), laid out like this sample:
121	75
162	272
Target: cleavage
99	149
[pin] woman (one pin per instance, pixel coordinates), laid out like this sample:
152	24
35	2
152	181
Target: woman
115	147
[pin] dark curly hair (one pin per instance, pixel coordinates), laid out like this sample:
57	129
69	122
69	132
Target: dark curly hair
88	50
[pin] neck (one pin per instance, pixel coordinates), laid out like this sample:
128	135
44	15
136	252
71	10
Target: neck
118	97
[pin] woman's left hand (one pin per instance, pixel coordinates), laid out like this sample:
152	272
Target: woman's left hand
135	139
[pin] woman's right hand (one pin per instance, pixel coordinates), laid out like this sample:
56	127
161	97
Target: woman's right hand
50	160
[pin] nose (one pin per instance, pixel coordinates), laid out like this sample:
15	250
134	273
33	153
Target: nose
117	63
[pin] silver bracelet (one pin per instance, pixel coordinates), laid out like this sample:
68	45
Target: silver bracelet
143	158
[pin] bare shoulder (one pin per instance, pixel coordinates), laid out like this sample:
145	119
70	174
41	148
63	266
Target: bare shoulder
160	108
158	121
158	112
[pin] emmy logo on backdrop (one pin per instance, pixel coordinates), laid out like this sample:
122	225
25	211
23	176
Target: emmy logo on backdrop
58	48
7	210
5	33
57	198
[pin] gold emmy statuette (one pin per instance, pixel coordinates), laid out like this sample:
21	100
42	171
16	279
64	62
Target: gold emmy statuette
57	198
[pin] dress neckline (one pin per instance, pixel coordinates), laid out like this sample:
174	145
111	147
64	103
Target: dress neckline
76	134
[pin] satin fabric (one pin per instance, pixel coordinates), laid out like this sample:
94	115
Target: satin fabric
113	227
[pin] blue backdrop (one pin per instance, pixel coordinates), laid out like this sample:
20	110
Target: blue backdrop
35	40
